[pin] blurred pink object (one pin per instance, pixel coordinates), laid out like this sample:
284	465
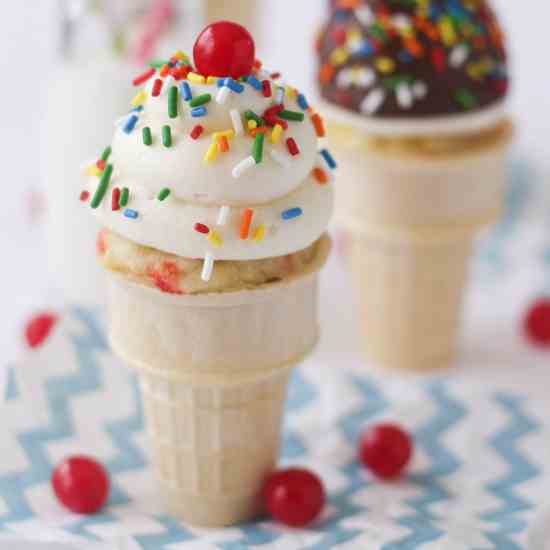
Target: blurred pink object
35	203
156	22
342	244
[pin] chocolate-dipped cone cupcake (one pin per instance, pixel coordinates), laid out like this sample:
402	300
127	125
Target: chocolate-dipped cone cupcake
415	96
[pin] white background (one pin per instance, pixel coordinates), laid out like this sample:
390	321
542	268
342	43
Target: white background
285	37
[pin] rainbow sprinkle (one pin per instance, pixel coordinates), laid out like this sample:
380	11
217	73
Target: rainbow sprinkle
163	194
223	215
185	91
196	78
130	124
266	88
92	170
246	220
173	101
254	82
291	213
207	266
201	228
243	166
280	95
320	175
292	147
258	148
222	95
198	112
229	134
302	102
276	133
115	199
102	186
199	100
196	131
157	63
215	239
318	125
167	136
157	87
223	144
139	98
251	115
147	136
124	196
132	214
259	233
233	86
106	153
236	121
329	159
211	153
291	115
142	78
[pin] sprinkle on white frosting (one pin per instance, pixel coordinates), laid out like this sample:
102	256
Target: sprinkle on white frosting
212	182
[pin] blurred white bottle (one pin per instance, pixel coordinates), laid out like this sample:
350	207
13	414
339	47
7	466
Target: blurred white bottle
89	89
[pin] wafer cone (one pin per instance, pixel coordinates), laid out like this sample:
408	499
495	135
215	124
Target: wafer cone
213	371
409	296
413	216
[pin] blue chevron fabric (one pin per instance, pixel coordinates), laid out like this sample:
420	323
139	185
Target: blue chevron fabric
493	468
480	473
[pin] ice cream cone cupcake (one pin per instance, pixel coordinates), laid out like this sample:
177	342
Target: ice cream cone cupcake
214	201
414	93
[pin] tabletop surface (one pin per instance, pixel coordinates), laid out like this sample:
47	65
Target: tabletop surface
473	485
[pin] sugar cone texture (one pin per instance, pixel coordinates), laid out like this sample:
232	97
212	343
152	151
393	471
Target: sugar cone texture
413	212
409	298
417	185
213	446
213	371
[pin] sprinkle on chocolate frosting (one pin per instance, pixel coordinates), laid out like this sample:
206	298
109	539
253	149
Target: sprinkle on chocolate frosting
412	58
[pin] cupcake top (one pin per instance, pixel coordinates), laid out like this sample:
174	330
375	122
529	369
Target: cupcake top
220	160
405	60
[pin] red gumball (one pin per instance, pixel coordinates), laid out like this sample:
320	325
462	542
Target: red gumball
224	49
386	450
39	328
81	484
294	496
537	323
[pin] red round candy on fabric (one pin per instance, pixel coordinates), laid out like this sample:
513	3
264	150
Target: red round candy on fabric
386	450
224	49
294	496
39	328
81	484
537	323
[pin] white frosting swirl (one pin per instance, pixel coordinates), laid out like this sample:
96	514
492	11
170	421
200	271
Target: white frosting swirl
199	189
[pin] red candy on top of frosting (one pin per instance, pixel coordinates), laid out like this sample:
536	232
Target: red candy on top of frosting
224	49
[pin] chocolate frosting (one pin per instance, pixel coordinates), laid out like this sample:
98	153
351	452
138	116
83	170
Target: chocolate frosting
412	58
